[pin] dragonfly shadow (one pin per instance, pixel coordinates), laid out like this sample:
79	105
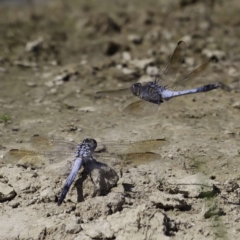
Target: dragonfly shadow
97	179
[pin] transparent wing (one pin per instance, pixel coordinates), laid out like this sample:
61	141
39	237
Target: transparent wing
126	152
113	93
26	158
50	151
194	74
39	141
36	160
127	147
127	159
170	70
141	108
53	146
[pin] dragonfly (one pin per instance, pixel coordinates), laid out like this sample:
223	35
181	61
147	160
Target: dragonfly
83	154
166	84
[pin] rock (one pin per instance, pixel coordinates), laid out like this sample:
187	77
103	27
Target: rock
168	201
34	45
233	72
102	180
143	222
71	226
14	203
82	236
220	55
32	84
190	61
126	56
144	79
236	105
36	232
134	38
99	230
87	109
23	185
6	192
47	195
152	70
97	207
142	63
210	209
193	186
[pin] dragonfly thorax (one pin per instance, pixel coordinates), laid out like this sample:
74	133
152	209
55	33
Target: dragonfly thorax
86	148
150	92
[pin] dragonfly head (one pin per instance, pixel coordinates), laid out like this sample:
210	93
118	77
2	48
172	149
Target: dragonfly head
135	88
90	141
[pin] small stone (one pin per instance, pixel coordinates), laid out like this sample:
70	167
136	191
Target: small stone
24	185
142	63
31	84
126	56
49	84
144	79
14	203
87	109
34	45
6	192
220	55
72	227
134	38
82	236
152	70
190	61
53	90
236	105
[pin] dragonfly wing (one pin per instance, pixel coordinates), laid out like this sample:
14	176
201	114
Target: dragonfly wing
125	152
194	74
169	72
141	108
39	141
77	165
113	93
115	160
26	158
126	147
54	146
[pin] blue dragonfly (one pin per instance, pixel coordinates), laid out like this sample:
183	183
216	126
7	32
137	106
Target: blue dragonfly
166	84
54	150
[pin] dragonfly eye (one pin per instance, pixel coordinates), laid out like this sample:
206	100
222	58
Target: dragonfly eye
136	89
94	143
90	141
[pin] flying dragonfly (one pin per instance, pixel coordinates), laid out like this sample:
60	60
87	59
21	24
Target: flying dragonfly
166	84
83	154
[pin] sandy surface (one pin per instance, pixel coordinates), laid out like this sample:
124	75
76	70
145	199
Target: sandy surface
53	58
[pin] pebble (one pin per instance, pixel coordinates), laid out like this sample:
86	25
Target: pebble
134	38
34	45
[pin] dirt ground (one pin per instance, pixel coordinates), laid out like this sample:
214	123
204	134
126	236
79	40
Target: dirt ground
55	56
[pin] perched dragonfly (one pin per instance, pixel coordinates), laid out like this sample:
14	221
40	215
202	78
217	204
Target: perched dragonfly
83	154
166	83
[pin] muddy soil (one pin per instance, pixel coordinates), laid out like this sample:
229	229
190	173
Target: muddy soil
55	56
